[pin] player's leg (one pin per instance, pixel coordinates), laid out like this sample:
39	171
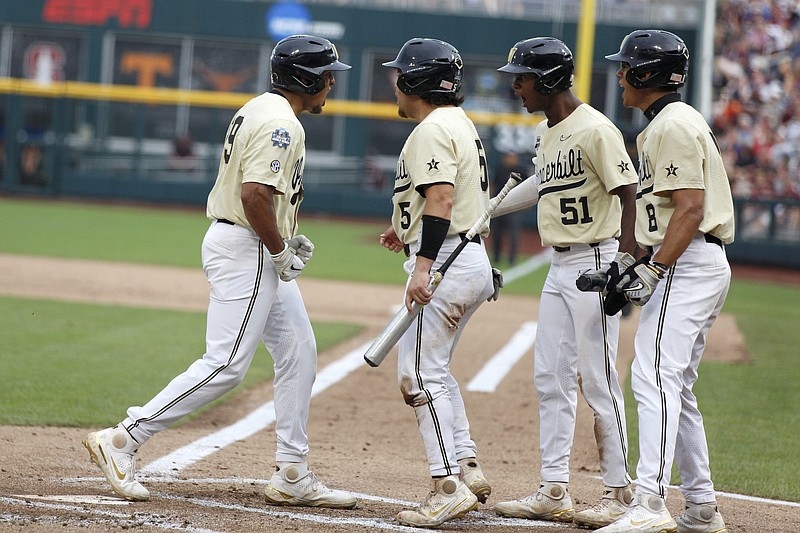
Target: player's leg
596	339
242	281
556	380
424	354
671	323
691	451
289	337
555	376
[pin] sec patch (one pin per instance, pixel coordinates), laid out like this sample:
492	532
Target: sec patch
275	166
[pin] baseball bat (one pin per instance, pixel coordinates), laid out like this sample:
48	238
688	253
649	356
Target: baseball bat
402	320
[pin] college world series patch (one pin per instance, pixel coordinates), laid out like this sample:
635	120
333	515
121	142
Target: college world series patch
281	138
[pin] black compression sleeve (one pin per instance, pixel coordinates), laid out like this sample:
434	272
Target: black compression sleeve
434	231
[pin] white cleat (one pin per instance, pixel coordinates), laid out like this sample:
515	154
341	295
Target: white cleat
449	499
551	502
294	484
615	502
114	451
472	476
648	514
700	518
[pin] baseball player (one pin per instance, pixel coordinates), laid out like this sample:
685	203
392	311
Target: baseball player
440	190
585	186
684	218
251	256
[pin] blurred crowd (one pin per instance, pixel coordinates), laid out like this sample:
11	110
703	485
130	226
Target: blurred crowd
756	115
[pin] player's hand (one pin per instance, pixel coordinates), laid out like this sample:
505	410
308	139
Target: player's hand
643	283
622	261
390	241
287	263
302	246
497	281
419	289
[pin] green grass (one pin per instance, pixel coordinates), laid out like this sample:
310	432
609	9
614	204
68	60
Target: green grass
751	410
69	364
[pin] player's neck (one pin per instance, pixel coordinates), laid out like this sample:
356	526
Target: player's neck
561	106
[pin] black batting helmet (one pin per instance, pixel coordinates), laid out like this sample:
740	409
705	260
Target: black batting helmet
657	58
548	58
428	66
298	61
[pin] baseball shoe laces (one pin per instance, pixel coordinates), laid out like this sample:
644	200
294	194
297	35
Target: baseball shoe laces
114	451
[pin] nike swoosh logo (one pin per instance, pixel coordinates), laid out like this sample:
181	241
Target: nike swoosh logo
564	137
639	286
637	523
119	474
295	269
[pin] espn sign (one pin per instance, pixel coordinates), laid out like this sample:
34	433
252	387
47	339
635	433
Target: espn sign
128	13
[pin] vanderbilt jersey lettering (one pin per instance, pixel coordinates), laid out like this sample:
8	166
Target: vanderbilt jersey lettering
578	162
678	151
443	148
265	143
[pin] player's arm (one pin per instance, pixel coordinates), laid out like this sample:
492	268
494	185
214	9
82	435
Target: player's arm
627	238
435	223
259	208
524	195
683	225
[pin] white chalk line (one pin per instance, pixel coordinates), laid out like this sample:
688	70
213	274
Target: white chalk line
529	265
135	519
498	367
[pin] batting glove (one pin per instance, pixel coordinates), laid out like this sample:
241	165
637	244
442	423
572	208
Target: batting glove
497	281
645	279
287	263
302	246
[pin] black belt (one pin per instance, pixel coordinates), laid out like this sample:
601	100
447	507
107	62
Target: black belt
568	248
224	221
475	239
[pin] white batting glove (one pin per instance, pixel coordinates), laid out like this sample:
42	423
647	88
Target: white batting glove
289	266
302	246
644	283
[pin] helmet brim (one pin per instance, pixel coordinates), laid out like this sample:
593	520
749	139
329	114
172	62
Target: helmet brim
514	69
618	57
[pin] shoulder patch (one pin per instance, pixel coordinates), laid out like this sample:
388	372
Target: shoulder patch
281	138
275	166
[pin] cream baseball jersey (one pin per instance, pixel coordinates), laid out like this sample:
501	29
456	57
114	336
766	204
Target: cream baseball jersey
265	143
578	162
443	148
678	151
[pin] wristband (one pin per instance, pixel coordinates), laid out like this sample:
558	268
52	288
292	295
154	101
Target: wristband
434	231
661	267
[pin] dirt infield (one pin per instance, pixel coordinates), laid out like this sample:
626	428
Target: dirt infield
363	438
